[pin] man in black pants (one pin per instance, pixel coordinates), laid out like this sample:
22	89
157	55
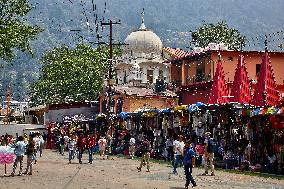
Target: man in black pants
187	162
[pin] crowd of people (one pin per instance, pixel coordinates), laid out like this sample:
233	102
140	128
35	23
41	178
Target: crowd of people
30	145
181	150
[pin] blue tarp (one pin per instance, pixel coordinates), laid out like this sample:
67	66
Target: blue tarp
256	111
152	110
195	107
124	115
167	110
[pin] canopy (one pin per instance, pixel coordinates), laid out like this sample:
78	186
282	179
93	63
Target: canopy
182	107
196	107
167	110
124	115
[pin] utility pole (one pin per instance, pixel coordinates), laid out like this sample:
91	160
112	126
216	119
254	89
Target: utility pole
110	24
110	76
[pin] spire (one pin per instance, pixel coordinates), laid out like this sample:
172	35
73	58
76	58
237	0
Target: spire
142	27
241	85
266	93
219	55
266	43
219	91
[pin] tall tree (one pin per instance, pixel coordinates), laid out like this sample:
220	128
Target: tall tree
15	32
70	74
217	33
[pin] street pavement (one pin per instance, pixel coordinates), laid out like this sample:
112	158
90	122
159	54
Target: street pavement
53	172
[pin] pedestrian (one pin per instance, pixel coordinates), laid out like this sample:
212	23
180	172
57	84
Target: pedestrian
81	144
209	154
102	146
41	145
188	160
170	149
178	153
37	144
146	149
30	151
20	147
90	147
132	147
71	148
62	144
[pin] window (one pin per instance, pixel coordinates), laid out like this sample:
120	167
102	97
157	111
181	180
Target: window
257	69
200	72
150	76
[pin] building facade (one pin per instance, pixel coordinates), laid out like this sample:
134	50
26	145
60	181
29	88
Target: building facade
140	71
193	72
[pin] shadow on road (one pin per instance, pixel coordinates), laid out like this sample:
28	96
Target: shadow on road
176	187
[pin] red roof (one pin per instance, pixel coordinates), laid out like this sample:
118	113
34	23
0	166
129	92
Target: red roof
241	86
219	92
176	52
266	93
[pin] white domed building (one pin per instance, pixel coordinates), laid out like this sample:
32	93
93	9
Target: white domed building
142	62
137	71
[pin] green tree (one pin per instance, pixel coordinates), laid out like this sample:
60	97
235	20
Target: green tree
15	32
70	74
217	33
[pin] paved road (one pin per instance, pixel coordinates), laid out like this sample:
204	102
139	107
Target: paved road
53	172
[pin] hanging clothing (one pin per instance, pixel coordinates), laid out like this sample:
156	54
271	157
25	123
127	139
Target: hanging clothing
176	122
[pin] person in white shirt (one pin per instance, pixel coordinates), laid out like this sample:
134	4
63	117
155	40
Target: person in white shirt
37	145
132	147
178	153
71	148
41	145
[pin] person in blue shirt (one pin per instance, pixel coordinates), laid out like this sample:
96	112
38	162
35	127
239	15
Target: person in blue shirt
20	149
189	155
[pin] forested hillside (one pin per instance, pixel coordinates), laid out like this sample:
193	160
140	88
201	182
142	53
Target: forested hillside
172	20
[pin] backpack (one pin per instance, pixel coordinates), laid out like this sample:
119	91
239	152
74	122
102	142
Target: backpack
212	146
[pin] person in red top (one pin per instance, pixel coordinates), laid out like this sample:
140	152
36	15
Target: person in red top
91	142
81	144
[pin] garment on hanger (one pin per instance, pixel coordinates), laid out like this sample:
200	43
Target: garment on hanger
176	122
199	131
165	123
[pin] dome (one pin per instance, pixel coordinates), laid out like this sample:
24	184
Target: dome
143	41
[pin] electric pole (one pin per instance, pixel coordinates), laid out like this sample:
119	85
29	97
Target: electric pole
110	24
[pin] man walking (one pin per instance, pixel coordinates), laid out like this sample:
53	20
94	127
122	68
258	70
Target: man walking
187	163
90	147
81	144
209	154
132	147
20	148
30	156
146	149
178	150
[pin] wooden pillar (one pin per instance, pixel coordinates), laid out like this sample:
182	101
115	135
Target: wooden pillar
101	104
183	73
